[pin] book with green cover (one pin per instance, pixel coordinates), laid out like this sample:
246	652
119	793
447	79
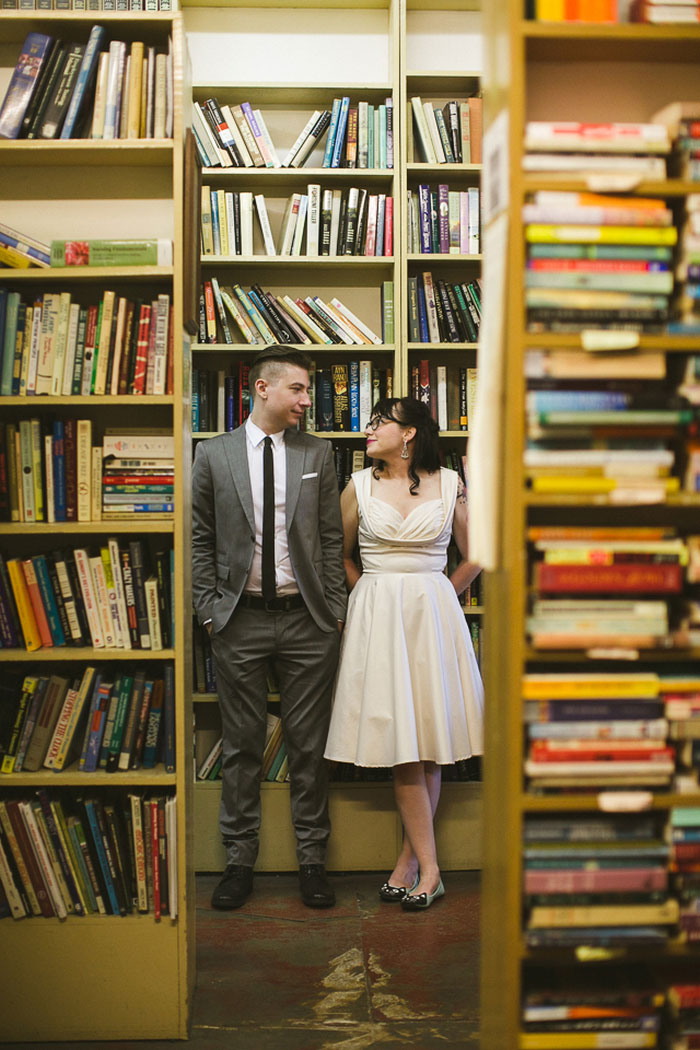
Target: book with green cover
113	252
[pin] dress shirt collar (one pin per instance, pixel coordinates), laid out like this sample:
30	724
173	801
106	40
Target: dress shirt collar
256	436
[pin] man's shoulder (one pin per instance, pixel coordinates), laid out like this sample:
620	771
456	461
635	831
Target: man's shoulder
306	441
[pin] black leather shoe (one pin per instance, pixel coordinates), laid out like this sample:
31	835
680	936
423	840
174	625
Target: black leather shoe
235	887
316	890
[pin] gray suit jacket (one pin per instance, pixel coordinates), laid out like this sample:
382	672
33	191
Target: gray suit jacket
223	535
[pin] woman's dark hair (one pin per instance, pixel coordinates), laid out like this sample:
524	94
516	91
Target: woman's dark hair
425	448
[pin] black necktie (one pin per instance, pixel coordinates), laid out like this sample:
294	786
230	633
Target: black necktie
268	529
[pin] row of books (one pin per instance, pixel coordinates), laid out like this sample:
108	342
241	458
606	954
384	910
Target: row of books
115	596
444	221
274	760
448	390
451	134
622	440
52	345
611	730
148	6
113	854
350	221
571	148
103	719
682	120
442	311
20	251
51	472
262	317
615	593
359	135
643	1007
627	284
100	90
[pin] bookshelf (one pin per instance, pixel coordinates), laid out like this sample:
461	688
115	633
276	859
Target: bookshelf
363	49
539	71
136	974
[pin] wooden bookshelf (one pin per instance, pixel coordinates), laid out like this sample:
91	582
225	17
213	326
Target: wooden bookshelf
555	72
285	104
135	974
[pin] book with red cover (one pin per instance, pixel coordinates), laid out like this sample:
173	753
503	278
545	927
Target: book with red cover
599	750
633	578
603	880
33	869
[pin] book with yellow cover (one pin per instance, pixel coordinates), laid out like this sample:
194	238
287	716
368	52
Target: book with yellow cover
590	686
548	233
586	1040
27	619
545	916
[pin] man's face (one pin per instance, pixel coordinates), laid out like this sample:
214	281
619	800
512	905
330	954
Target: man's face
286	397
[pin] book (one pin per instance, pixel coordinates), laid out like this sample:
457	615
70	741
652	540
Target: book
113	252
23	83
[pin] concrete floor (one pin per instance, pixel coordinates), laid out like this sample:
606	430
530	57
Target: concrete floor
276	975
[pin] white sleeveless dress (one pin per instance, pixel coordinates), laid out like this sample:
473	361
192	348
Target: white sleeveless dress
408	686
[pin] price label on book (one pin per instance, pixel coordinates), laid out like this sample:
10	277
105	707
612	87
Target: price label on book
624	801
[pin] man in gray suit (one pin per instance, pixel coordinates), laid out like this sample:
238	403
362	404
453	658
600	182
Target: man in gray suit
268	583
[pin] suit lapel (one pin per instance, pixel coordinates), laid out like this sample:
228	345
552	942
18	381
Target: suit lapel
237	456
295	468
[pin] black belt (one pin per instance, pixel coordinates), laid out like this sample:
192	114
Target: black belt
285	604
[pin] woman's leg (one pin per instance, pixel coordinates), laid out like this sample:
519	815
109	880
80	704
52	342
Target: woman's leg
406	868
416	786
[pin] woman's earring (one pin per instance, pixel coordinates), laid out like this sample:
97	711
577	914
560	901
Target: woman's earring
404	450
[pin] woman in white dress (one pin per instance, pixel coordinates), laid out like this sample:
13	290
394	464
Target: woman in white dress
408	692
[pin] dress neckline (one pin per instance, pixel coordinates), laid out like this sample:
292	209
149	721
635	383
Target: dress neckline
396	511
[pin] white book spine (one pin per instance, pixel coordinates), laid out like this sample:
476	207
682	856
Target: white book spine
59	356
335	221
110	130
433	132
87	590
365	392
474	239
113	548
34	348
171	853
313	219
160	361
289	224
102	601
139	852
264	221
47	343
231	222
151	589
276	162
365	329
71	345
237	137
423	133
48	471
246	202
441	376
301	138
300	225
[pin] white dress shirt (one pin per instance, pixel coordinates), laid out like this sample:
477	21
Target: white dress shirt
284	574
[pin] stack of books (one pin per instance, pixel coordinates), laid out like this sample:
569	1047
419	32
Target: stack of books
666	13
350	221
685	868
444	221
597	880
89	856
449	134
19	252
50	344
584	1007
616	593
358	136
99	90
263	318
570	148
595	730
442	311
621	283
104	597
344	394
137	474
622	441
684	1009
681	697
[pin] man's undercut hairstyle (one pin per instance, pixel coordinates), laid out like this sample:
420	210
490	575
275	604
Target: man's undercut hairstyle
271	362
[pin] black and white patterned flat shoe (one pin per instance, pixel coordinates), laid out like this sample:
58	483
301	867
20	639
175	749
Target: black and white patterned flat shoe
394	894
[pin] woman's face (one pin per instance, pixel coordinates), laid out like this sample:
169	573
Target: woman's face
385	437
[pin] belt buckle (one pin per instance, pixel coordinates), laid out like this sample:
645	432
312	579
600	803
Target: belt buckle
269	606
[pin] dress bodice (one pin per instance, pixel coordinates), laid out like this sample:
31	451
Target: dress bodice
417	543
